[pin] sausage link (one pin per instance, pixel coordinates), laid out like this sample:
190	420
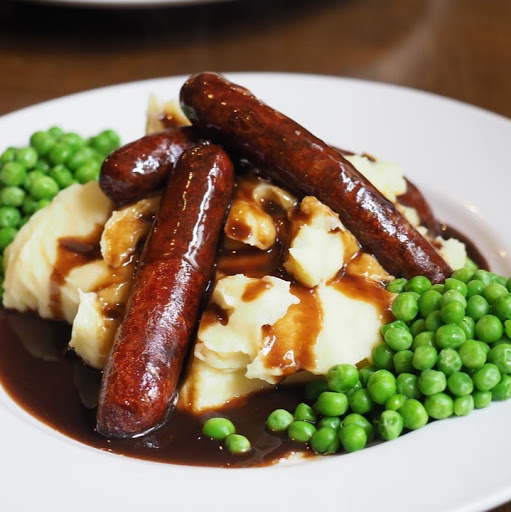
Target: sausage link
142	166
140	378
232	116
413	198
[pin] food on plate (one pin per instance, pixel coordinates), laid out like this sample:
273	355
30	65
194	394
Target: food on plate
31	176
142	166
285	151
327	316
141	374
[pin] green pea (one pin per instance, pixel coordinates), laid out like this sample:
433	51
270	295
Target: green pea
408	384
390	425
449	361
398	339
502	308
477	307
489	328
434	321
439	406
10	217
42	166
414	414
418	284
472	354
424	357
449	336
397	286
463	405
405	306
12	196
500	356
113	137
43	203
483	276
364	374
508	285
486	377
395	402
403	361
330	403
56	132
475	287
352	437
218	428
13	174
102	144
440	288
279	420
396	324
314	388
73	140
453	296
418	326
507	327
237	444
42	142
7	235
452	313
502	390
305	412
8	155
86	173
60	153
44	188
62	175
426	338
432	382
29	205
429	302
27	157
463	274
482	399
342	377
301	431
470	265
31	177
455	284
382	356
382	386
361	421
324	441
460	384
494	291
468	325
360	401
333	422
82	157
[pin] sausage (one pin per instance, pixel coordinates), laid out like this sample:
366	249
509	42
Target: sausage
413	198
286	152
140	167
140	377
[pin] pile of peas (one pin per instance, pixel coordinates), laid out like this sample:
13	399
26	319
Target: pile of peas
447	352
31	176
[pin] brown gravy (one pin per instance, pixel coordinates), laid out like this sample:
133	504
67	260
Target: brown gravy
53	385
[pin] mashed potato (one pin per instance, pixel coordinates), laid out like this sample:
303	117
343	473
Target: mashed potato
293	292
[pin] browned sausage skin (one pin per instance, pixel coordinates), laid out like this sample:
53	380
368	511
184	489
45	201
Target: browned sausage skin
232	116
141	375
142	166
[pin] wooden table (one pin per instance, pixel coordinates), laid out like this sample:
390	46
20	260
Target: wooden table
457	48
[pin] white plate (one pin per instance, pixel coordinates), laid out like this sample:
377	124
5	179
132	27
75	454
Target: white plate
459	155
122	4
